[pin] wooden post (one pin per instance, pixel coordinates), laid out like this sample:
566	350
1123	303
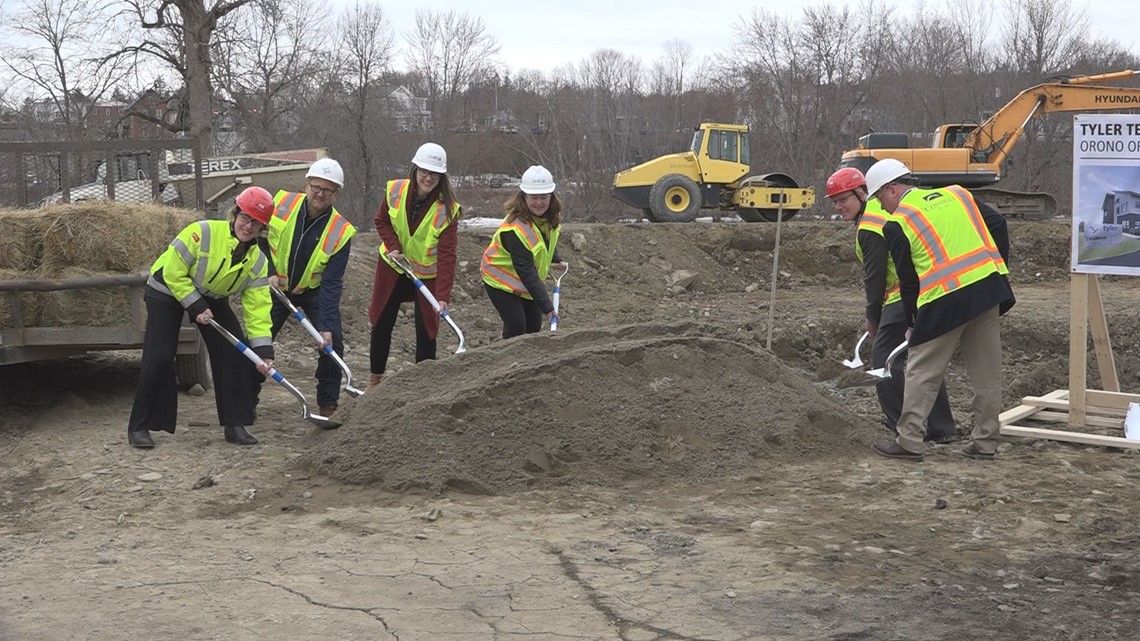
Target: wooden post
1101	340
775	271
1078	341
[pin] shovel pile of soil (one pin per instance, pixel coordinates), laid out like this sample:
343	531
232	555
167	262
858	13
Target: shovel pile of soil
652	403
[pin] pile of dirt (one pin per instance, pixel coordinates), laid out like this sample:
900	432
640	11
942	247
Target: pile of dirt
651	402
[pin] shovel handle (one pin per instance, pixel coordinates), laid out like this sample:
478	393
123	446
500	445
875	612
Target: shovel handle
431	299
557	296
894	354
245	350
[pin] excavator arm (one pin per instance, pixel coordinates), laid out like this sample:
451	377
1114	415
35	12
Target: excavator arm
993	140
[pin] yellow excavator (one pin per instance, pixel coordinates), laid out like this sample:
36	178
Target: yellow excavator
973	156
713	174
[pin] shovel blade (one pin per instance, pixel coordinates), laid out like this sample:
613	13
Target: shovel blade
853	364
322	422
353	392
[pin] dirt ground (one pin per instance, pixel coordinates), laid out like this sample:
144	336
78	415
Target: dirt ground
650	471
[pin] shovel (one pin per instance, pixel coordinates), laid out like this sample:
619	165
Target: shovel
856	363
884	373
407	267
315	419
327	349
557	296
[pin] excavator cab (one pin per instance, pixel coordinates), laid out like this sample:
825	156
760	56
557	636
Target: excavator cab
951	136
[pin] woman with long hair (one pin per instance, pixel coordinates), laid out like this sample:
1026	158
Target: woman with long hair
521	252
416	222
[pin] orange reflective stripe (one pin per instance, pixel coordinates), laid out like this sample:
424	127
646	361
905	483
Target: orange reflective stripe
396	193
527	232
337	228
287	205
971	207
924	232
947	275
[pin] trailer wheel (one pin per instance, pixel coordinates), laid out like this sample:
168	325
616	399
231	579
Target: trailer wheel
675	199
194	368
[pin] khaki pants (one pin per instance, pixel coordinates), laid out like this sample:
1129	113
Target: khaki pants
980	340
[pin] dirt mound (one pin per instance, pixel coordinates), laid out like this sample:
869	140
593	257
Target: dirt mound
604	406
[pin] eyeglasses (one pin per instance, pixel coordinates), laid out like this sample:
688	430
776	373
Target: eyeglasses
246	219
427	172
839	200
322	191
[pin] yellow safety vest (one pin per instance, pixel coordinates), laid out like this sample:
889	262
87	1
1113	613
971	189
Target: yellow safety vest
872	220
197	263
336	235
950	245
497	267
422	246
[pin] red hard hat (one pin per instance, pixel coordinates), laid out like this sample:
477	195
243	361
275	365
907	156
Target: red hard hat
256	203
845	179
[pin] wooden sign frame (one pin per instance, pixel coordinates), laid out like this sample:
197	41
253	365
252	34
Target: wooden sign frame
1092	410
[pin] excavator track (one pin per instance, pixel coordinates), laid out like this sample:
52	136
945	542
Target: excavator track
1028	205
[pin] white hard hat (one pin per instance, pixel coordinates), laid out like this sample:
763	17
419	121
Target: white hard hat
537	180
885	171
431	157
328	169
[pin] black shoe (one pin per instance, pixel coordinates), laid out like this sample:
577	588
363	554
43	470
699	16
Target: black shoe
237	434
140	439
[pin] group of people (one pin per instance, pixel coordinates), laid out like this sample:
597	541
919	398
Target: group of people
935	275
934	271
299	244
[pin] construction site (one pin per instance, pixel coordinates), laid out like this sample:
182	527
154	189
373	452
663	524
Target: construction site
649	471
684	454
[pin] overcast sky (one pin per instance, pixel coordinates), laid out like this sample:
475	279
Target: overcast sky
546	35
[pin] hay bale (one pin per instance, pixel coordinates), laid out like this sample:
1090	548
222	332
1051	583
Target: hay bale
31	303
95	307
21	239
102	236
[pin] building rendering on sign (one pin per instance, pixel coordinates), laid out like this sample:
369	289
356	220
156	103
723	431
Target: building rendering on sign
1122	208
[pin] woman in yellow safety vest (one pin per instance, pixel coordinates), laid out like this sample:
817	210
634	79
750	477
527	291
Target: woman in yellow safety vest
416	221
203	266
521	252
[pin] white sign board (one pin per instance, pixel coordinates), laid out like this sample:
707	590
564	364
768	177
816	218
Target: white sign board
1106	194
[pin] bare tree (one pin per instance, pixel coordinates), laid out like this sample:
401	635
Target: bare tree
451	49
180	33
261	63
60	63
365	44
1043	37
667	75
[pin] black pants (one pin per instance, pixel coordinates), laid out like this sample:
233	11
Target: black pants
520	316
328	373
940	421
156	401
403	292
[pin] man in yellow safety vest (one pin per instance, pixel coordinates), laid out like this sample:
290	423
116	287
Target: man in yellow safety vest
950	254
885	315
308	244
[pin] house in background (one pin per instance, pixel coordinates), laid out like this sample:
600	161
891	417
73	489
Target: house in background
409	111
1122	208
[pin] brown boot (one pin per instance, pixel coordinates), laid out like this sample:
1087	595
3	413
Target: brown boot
327	410
373	381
